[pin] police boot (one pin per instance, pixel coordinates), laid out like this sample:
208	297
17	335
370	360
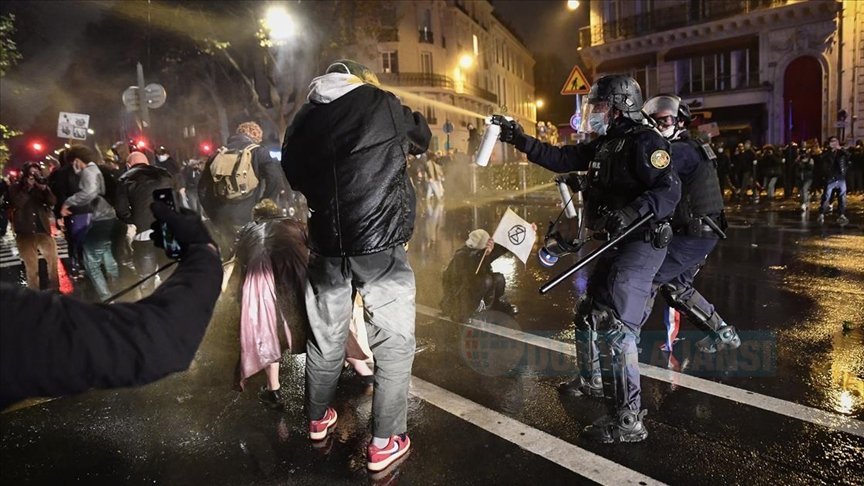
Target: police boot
623	426
726	337
580	387
621	391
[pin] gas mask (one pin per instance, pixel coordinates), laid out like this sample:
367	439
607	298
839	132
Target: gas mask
668	131
162	158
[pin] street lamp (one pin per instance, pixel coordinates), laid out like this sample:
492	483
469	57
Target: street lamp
466	61
572	4
539	103
279	24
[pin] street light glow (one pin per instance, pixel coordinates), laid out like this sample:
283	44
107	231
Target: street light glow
466	61
572	4
90	131
279	23
539	103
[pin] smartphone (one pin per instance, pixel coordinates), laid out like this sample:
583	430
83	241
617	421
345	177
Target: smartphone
172	246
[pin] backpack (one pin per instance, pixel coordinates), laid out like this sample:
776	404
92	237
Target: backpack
233	175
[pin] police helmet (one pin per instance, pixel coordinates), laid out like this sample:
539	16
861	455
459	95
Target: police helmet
621	92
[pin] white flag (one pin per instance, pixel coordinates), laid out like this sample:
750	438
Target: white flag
515	234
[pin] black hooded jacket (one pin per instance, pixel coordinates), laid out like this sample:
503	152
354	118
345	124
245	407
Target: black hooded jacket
135	194
347	154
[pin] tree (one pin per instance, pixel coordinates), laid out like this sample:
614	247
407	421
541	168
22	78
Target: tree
242	59
9	56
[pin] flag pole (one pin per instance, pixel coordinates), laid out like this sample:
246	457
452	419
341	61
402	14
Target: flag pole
481	261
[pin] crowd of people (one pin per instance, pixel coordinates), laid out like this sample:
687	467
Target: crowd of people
335	281
751	173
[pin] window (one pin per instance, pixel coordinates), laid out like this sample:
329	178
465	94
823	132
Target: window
737	69
424	24
476	45
426	62
429	112
647	78
389	62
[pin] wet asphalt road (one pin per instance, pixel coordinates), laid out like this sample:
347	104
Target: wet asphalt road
787	283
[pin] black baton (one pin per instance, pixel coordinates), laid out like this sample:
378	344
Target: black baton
594	254
710	222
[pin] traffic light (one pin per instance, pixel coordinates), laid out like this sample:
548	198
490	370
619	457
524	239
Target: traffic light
206	148
37	147
140	143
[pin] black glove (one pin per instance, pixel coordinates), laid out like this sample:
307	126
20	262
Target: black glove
619	220
511	130
186	226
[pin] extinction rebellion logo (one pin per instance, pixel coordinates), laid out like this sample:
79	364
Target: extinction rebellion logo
517	234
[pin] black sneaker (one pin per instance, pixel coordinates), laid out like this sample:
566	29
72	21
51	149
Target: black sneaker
626	427
271	398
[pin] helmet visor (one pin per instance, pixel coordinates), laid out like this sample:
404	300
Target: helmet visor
594	114
663	109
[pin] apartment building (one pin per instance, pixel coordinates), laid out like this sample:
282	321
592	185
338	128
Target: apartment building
455	61
771	71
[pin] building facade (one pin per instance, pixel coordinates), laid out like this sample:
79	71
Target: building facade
771	71
454	61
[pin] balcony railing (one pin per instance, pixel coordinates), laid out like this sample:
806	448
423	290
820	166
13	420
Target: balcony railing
434	81
659	20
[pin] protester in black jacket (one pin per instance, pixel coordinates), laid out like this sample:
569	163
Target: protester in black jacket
346	151
54	345
134	195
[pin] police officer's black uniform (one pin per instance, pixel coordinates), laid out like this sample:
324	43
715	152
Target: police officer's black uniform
629	176
698	223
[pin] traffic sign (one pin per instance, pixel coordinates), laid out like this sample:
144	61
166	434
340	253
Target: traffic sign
575	121
576	83
155	95
130	99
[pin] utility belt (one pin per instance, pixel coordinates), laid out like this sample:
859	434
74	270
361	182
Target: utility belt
704	227
659	234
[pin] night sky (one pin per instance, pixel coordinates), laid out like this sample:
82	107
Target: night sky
547	27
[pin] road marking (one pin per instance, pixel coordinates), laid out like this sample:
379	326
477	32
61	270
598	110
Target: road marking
771	404
580	461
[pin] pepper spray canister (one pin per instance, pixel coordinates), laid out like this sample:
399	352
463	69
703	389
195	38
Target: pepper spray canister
484	153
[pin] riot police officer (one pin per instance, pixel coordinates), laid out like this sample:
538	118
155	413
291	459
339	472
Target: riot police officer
629	177
698	223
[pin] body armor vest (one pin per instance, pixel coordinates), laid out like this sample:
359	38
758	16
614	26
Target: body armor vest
700	191
612	183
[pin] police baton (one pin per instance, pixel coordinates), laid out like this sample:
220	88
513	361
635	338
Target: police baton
711	224
594	254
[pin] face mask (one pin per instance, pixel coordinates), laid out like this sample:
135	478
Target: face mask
668	131
162	158
597	122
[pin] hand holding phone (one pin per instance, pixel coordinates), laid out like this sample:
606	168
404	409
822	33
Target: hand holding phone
170	244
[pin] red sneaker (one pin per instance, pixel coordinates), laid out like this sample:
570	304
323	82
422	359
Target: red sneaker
381	458
318	428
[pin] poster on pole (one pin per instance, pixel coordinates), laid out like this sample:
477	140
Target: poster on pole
73	125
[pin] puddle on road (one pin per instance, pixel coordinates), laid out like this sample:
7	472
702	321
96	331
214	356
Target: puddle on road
837	321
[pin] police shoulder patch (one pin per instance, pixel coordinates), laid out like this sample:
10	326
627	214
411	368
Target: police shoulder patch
660	159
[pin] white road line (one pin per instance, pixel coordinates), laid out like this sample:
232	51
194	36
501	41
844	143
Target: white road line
771	404
580	461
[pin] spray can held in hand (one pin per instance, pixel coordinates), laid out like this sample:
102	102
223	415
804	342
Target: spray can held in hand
493	130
